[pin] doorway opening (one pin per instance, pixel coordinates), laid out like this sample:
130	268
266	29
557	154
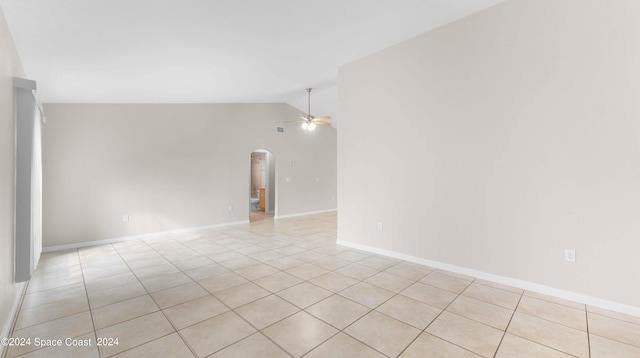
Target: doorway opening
262	189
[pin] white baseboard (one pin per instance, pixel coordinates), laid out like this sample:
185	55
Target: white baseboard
525	285
304	214
8	324
141	236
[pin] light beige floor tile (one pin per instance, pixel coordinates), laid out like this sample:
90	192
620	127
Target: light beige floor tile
383	333
266	311
310	256
430	346
553	312
195	311
409	270
306	271
343	346
51	311
471	335
265	256
167	346
554	335
162	282
445	282
62	328
304	295
179	294
333	282
222	282
359	272
557	300
216	333
429	294
123	311
116	294
612	314
543	325
492	295
135	332
615	329
150	259
206	271
53	295
514	346
457	275
220	257
367	294
239	262
409	311
331	263
277	281
338	311
256	345
389	281
352	255
94	273
48	283
110	282
241	295
491	315
255	272
285	263
378	262
604	348
299	333
500	286
189	264
77	347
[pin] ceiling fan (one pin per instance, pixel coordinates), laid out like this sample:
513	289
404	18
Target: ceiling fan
308	121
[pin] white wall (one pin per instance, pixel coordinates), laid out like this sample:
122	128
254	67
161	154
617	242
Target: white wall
501	140
172	166
9	67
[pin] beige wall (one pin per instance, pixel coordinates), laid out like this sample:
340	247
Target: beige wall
172	166
9	67
500	141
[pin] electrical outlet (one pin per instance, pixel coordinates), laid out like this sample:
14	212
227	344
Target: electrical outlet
570	255
380	227
125	217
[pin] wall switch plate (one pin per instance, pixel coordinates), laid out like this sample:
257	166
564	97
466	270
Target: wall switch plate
125	217
570	255
380	226
230	207
288	179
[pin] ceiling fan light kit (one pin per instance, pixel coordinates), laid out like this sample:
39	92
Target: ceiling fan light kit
309	122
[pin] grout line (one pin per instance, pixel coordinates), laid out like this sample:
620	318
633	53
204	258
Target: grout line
508	324
93	323
586	317
154	301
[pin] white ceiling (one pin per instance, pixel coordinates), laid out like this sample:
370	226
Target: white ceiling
217	51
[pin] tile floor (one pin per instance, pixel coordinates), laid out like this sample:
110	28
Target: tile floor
284	288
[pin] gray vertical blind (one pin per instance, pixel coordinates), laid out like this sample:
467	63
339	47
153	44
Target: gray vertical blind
29	121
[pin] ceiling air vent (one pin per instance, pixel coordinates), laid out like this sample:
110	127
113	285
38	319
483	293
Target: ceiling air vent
280	129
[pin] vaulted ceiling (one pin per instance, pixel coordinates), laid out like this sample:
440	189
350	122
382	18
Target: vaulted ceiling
217	51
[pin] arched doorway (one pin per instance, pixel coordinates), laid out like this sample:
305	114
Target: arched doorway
262	188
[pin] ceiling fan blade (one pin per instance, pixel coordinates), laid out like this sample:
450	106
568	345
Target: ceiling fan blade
325	118
324	124
296	121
